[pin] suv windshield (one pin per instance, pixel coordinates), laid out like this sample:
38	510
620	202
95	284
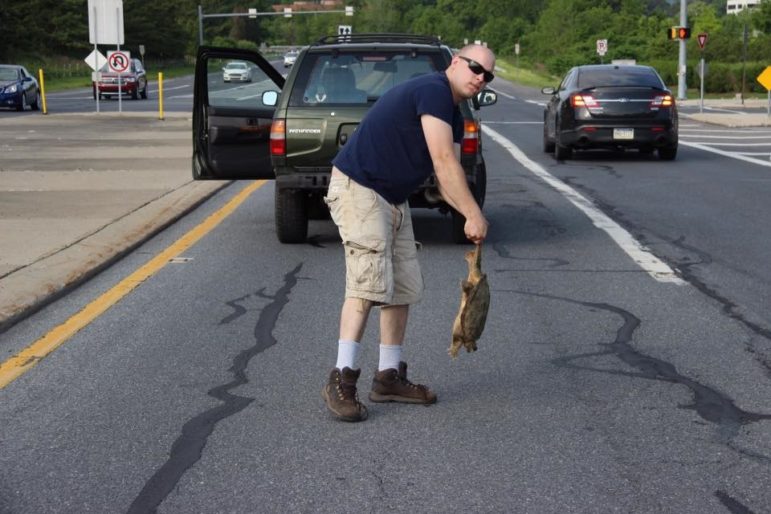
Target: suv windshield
630	76
355	78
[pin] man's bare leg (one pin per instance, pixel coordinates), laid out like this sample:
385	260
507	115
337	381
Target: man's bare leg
393	324
353	318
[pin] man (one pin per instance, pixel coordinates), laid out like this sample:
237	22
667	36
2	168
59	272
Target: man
407	135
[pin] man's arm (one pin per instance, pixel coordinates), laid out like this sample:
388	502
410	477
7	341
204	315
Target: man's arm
451	177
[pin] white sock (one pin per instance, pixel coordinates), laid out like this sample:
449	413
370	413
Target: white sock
346	354
390	355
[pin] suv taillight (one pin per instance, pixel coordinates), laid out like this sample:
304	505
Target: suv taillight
663	101
470	143
278	137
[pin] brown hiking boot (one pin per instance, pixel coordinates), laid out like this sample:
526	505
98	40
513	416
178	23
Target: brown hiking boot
340	395
391	385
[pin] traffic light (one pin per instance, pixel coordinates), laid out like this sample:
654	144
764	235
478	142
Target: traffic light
679	33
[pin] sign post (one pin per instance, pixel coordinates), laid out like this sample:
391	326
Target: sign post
602	48
702	39
105	26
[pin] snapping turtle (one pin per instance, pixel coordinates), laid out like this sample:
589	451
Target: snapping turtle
474	303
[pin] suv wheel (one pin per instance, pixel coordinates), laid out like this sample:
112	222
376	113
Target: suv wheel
458	228
480	187
144	92
291	216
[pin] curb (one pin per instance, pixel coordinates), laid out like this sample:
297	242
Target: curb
29	289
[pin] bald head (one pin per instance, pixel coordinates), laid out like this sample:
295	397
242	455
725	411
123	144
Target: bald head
468	70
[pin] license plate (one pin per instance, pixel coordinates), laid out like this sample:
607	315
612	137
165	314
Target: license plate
623	133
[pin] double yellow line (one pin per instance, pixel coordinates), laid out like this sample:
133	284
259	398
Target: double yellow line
25	360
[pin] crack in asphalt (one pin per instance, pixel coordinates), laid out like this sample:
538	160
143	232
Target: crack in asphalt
708	402
503	252
188	447
683	269
732	504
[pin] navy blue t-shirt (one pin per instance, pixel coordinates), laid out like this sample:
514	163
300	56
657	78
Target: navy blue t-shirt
388	152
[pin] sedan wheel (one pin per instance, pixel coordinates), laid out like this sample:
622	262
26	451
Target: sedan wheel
548	145
668	153
23	105
36	104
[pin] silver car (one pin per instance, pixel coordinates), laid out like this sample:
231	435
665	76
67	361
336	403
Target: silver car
236	71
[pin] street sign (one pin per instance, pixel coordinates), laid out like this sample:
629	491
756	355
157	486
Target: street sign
602	46
118	61
344	30
105	22
765	78
516	48
96	60
702	69
702	39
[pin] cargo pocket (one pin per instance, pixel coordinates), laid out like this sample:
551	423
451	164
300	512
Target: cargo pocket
365	266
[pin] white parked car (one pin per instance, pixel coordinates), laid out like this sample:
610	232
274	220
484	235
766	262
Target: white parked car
237	71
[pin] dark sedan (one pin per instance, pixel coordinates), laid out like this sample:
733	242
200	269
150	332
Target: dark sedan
610	106
18	88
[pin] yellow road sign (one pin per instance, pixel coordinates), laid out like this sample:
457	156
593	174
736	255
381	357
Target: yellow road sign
765	78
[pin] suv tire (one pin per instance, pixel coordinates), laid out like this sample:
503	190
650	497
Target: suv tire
291	216
458	228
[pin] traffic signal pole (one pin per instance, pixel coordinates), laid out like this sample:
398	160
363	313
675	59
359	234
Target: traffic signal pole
681	86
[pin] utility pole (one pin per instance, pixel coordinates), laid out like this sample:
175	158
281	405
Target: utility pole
681	67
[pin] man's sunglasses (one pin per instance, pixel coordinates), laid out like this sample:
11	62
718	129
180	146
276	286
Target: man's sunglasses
478	69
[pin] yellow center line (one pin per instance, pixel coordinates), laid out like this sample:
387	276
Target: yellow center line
22	362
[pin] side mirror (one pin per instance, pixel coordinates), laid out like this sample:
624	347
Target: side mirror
270	98
548	90
485	97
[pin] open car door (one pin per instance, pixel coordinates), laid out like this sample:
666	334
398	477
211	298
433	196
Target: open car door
232	114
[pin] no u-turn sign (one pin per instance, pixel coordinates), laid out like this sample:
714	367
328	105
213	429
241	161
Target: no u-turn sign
118	61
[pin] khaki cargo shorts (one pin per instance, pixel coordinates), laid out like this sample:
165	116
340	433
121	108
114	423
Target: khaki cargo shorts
381	258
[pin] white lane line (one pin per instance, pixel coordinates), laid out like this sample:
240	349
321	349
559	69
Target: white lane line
511	97
651	264
725	110
704	136
534	102
719	143
726	154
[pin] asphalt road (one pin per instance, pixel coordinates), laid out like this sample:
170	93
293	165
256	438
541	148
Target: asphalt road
612	376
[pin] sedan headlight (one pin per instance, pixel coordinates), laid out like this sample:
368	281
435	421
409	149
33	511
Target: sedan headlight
12	88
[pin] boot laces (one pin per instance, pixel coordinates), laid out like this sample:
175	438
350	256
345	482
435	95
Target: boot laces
347	391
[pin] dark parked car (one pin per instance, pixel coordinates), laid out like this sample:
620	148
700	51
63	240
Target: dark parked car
610	106
329	89
18	88
132	82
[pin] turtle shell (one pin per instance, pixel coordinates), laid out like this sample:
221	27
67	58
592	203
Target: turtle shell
474	314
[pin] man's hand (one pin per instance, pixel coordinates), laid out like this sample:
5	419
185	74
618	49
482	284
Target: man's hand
476	229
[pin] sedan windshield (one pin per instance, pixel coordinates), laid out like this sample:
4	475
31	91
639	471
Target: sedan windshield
8	74
236	66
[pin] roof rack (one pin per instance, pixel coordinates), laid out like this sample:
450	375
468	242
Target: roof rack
379	38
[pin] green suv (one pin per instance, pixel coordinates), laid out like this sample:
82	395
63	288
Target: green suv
291	130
